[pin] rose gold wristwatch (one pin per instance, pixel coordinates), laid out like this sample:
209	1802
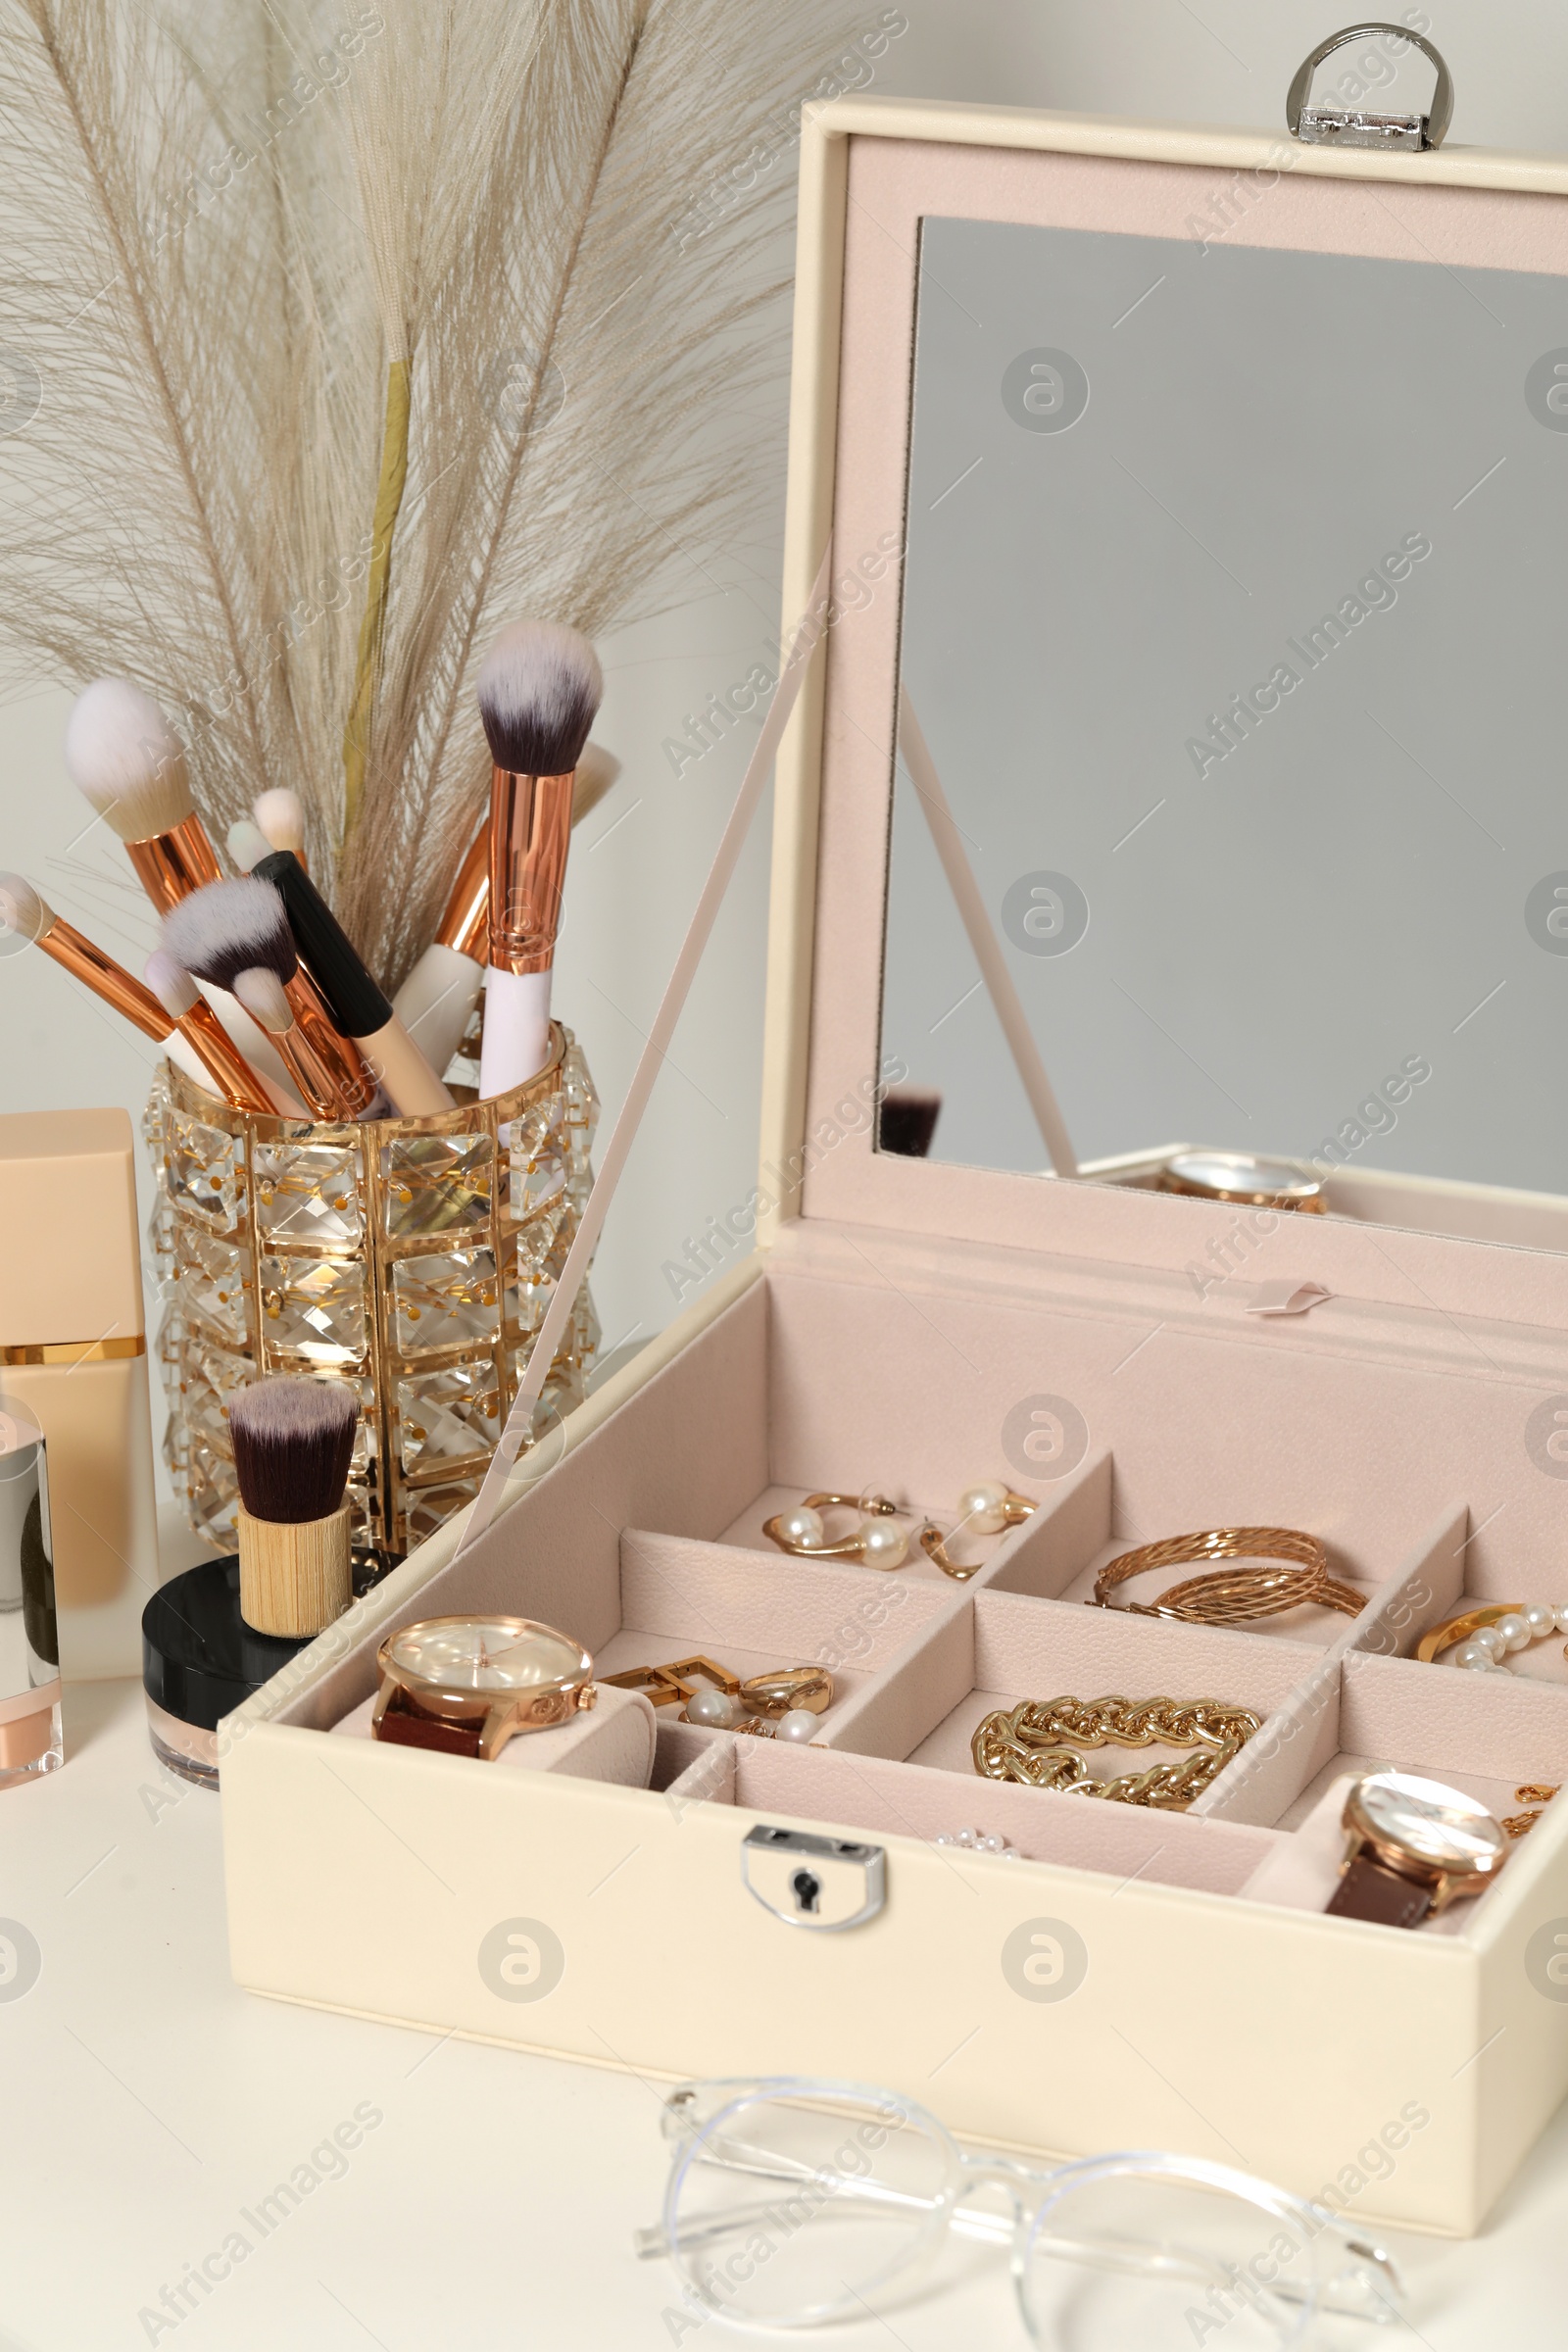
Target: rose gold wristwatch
1412	1847
463	1686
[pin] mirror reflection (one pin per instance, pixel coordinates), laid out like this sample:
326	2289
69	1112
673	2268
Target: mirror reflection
1229	814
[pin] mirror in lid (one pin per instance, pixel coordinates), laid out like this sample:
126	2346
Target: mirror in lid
1230	837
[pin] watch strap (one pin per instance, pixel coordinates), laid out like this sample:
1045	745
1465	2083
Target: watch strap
1368	1891
406	1725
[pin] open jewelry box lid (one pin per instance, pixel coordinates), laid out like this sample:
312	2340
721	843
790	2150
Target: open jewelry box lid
872	171
1488	1318
1411	1391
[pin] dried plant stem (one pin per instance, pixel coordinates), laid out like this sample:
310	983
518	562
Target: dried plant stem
521	439
357	329
372	628
151	345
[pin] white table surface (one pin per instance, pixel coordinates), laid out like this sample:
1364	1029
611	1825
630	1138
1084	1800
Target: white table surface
147	2104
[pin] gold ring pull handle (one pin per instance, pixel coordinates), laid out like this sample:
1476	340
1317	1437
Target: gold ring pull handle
1358	127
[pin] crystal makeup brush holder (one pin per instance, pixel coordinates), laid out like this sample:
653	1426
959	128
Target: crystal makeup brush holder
414	1258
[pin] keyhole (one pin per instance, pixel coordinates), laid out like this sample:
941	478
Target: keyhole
806	1888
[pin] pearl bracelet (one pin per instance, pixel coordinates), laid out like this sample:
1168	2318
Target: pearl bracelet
1481	1639
974	1842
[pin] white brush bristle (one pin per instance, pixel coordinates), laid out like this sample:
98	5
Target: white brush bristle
24	914
123	755
176	992
281	819
261	992
248	845
228	927
539	688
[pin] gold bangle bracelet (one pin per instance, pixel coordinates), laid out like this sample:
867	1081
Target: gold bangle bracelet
1034	1744
1236	1595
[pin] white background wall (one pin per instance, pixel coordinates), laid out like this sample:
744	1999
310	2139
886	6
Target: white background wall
638	866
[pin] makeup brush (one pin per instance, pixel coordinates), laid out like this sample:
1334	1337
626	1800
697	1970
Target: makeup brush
124	756
438	996
199	1025
353	998
233	931
25	914
539	692
293	1442
281	820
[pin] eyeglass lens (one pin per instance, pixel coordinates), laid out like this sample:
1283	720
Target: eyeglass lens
805	2207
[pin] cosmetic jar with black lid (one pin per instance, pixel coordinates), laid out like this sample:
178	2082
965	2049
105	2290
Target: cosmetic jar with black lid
200	1661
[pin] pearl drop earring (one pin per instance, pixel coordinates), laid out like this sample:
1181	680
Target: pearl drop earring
878	1543
985	1508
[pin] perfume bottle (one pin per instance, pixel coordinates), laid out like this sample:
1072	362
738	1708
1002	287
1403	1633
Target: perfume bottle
73	1358
30	1741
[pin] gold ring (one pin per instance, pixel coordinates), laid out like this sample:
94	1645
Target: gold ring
781	1691
1234	1596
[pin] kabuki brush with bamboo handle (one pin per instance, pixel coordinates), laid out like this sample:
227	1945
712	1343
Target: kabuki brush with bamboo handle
293	1442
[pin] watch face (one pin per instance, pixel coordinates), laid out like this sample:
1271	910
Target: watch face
1238	1175
1430	1822
486	1654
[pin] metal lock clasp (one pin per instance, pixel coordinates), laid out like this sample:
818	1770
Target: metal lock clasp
808	1882
1358	127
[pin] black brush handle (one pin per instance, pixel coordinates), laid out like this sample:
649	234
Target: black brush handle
353	998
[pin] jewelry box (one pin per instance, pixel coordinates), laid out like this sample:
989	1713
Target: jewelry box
1391	1376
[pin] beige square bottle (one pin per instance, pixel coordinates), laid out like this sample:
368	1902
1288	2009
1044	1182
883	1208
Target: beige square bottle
73	1352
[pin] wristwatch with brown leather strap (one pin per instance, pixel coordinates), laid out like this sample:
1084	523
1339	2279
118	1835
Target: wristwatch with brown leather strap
1412	1847
464	1686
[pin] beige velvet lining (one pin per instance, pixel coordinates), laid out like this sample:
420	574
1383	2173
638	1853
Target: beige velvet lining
645	1543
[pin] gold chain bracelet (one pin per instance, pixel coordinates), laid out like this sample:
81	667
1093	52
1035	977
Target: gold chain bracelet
1034	1743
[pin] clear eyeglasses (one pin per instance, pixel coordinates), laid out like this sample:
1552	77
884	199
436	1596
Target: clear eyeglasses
795	2203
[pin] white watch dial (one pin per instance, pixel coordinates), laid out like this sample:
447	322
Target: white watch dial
498	1654
1430	1822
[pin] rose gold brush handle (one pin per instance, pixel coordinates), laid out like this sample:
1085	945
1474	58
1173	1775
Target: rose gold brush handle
465	924
206	1035
231	1075
170	865
316	1083
107	979
340	1086
530	836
